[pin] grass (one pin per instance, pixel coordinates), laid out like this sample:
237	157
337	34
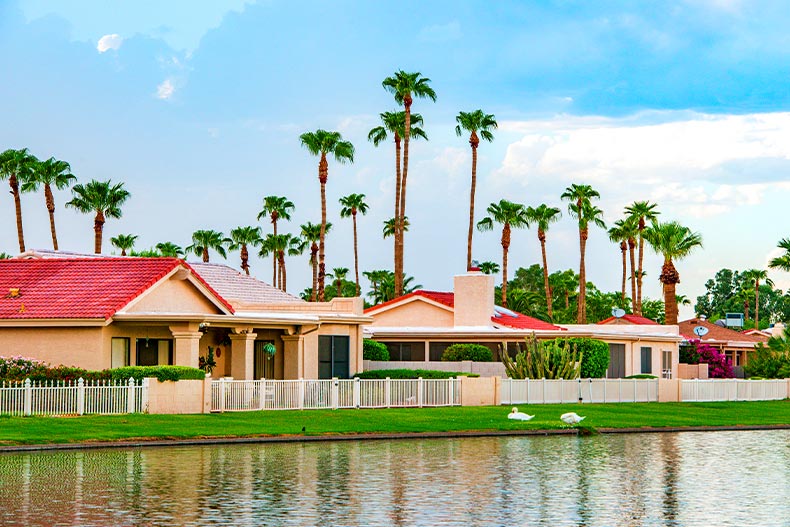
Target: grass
38	430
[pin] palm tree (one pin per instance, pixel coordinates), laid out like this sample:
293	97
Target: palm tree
276	208
124	242
240	238
617	235
755	276
674	242
404	87
286	244
339	275
48	173
389	227
102	198
473	122
322	143
581	208
386	287
641	212
395	123
489	267
543	216
311	233
351	205
170	250
782	262
624	232
203	240
510	215
16	166
375	277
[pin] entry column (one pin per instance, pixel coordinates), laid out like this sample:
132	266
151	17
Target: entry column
242	355
293	356
186	347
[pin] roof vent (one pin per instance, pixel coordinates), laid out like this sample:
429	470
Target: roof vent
14	292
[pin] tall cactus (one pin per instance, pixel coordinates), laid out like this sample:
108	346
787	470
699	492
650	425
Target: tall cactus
543	360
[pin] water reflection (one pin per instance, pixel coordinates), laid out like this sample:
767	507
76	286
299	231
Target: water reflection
720	478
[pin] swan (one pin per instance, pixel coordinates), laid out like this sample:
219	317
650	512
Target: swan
519	416
571	418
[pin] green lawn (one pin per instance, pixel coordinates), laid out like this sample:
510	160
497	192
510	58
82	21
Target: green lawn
30	430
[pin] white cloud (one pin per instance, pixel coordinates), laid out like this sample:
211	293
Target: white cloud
441	32
108	42
165	90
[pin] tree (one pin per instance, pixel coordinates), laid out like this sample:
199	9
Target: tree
386	287
311	233
389	227
782	262
322	143
581	208
641	212
755	276
203	240
375	278
510	215
124	242
170	249
287	244
16	166
339	275
623	232
240	238
489	267
351	205
473	122
404	87
674	242
543	216
276	208
48	173
102	198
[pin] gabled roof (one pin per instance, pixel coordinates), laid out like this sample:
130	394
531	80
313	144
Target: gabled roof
631	319
501	317
81	288
716	333
239	287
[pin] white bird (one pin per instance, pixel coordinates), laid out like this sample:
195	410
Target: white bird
571	418
519	416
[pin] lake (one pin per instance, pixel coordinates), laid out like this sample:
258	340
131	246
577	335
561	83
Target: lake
702	478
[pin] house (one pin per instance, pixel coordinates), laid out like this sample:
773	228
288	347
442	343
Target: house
106	312
419	326
735	345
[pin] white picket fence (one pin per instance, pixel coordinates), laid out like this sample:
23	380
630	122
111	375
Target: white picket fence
73	398
700	390
554	391
304	394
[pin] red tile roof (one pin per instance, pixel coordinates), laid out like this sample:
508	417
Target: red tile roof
515	320
716	332
632	319
83	288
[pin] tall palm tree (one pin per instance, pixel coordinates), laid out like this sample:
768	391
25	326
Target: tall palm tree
322	143
203	240
395	123
16	166
625	232
375	277
290	245
124	242
48	173
755	276
404	87
276	208
674	242
543	216
339	275
240	238
389	227
782	262
311	233
618	235
510	215
582	209
170	249
642	212
489	267
351	205
102	198
473	122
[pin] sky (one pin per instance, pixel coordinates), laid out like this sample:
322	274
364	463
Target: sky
197	106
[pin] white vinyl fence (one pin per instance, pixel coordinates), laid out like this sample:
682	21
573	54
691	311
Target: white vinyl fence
304	394
73	398
552	391
699	390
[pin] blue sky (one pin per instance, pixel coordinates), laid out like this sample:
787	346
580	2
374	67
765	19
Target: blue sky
197	107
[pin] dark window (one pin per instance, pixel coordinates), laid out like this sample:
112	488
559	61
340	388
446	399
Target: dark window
154	352
333	352
616	361
400	351
647	359
436	349
263	363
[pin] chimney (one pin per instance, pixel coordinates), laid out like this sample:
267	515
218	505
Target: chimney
778	330
474	299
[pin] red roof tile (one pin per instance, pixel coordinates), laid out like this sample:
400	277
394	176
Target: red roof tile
515	321
86	288
716	332
632	319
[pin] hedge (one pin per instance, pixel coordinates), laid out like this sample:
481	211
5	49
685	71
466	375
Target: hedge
595	356
474	352
641	376
412	374
372	350
163	373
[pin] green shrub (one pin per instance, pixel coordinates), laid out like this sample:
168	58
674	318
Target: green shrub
163	373
594	355
412	374
21	368
372	350
641	376
771	361
543	360
474	352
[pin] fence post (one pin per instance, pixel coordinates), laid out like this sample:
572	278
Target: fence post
511	390
301	393
28	410
543	382
262	394
387	393
130	396
419	391
451	391
357	394
144	396
222	394
80	396
335	395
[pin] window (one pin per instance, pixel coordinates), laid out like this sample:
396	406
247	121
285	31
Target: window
154	352
647	359
616	361
263	363
119	356
401	351
333	357
666	364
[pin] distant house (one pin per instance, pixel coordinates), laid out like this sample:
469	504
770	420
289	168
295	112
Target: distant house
735	345
106	312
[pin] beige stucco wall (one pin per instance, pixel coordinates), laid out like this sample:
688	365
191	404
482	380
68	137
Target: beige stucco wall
354	332
180	397
473	299
480	391
173	296
68	346
415	314
669	390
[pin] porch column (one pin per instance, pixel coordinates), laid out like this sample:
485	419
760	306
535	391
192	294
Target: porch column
293	356
427	350
242	346
186	349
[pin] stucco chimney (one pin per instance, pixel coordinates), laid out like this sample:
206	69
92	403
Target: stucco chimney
778	330
474	299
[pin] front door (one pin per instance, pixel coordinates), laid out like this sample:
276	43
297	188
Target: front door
154	352
616	361
263	363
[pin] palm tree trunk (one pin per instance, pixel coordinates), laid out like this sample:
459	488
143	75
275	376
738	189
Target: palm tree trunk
50	200
98	227
123	251
397	249
282	272
400	224
623	249
473	141
205	254
542	238
14	184
274	253
245	258
314	265
323	175
356	249
669	277
581	311
757	305
634	306
638	309
505	247
746	308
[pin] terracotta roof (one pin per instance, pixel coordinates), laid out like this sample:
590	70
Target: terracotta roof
86	288
239	287
716	332
631	319
502	317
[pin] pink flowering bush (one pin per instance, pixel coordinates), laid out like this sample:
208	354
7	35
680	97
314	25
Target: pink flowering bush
719	366
21	368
